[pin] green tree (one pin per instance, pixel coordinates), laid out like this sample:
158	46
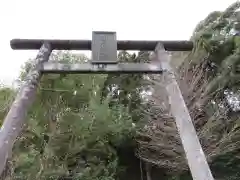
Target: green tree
78	122
211	73
72	131
209	79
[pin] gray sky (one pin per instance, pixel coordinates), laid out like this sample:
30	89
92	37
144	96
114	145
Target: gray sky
76	19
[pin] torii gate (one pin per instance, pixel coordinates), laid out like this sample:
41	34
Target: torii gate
104	46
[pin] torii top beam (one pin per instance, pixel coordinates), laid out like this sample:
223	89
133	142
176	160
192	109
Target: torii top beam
30	44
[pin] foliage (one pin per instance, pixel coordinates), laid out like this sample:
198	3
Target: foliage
78	123
209	80
71	130
6	98
211	73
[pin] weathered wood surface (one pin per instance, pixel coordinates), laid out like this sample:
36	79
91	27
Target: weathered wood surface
83	68
16	116
86	44
195	156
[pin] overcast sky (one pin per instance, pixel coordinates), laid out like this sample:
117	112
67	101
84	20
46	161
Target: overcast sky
76	19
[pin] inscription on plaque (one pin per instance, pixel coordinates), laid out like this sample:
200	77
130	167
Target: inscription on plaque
104	47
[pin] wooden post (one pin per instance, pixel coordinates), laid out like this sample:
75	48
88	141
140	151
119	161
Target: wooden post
15	118
195	156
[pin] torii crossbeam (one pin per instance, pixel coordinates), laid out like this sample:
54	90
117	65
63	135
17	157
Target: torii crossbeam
104	46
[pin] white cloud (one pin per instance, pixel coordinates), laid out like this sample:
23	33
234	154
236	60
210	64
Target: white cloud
74	19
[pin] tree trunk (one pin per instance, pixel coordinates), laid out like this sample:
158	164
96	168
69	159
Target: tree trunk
14	121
